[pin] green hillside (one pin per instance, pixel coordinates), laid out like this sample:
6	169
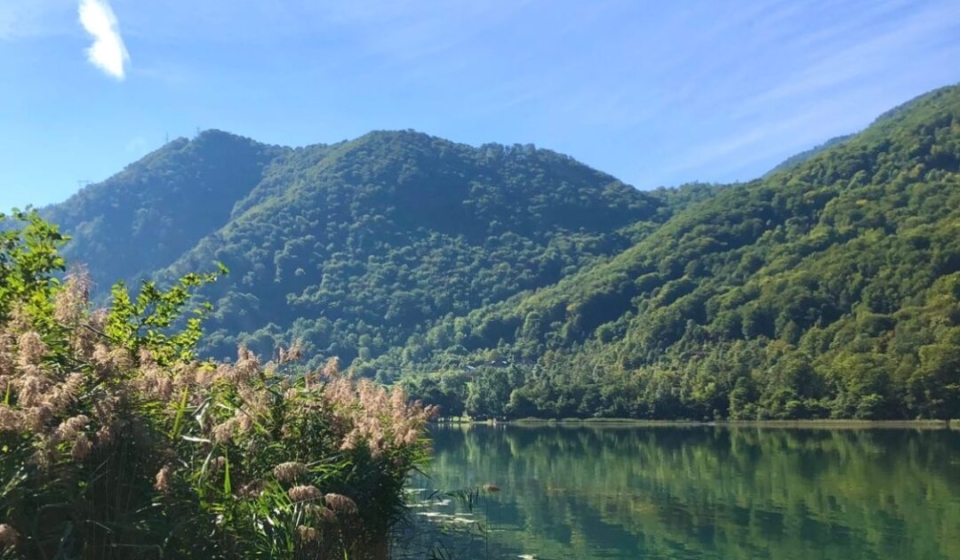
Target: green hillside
829	289
515	281
371	244
354	248
148	215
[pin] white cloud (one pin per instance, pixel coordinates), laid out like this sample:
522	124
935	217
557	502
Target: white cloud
108	52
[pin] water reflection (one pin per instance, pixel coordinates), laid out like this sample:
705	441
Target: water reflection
707	492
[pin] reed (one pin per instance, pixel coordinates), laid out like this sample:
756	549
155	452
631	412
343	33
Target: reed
118	442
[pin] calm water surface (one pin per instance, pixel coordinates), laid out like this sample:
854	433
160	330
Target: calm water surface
703	492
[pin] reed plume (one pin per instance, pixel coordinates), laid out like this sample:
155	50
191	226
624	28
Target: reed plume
157	452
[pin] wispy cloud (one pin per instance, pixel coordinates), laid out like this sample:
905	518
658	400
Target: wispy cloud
25	19
795	75
844	66
137	146
108	52
9	18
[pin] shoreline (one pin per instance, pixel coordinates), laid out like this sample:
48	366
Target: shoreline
831	424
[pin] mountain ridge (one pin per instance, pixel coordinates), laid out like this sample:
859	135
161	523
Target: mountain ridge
201	177
679	326
401	198
415	258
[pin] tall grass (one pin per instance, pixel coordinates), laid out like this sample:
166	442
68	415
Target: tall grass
117	443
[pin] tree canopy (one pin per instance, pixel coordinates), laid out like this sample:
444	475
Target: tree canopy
514	281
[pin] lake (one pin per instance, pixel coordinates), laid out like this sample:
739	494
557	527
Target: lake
689	492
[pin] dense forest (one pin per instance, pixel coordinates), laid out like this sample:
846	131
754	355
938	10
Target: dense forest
353	249
512	281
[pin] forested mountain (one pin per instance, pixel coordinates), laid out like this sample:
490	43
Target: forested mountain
357	247
148	215
370	244
829	289
518	282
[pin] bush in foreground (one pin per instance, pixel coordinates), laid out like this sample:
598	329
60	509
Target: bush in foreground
117	442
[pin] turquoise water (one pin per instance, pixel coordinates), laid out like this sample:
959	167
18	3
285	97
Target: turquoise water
697	492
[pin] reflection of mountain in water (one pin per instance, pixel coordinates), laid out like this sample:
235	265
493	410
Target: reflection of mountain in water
712	492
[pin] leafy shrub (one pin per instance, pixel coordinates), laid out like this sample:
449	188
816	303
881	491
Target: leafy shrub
116	442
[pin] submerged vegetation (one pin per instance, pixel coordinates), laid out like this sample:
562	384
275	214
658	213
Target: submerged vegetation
116	442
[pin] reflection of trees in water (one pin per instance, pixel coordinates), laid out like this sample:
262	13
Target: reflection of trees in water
724	492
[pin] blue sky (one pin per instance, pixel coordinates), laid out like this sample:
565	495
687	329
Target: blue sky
656	93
